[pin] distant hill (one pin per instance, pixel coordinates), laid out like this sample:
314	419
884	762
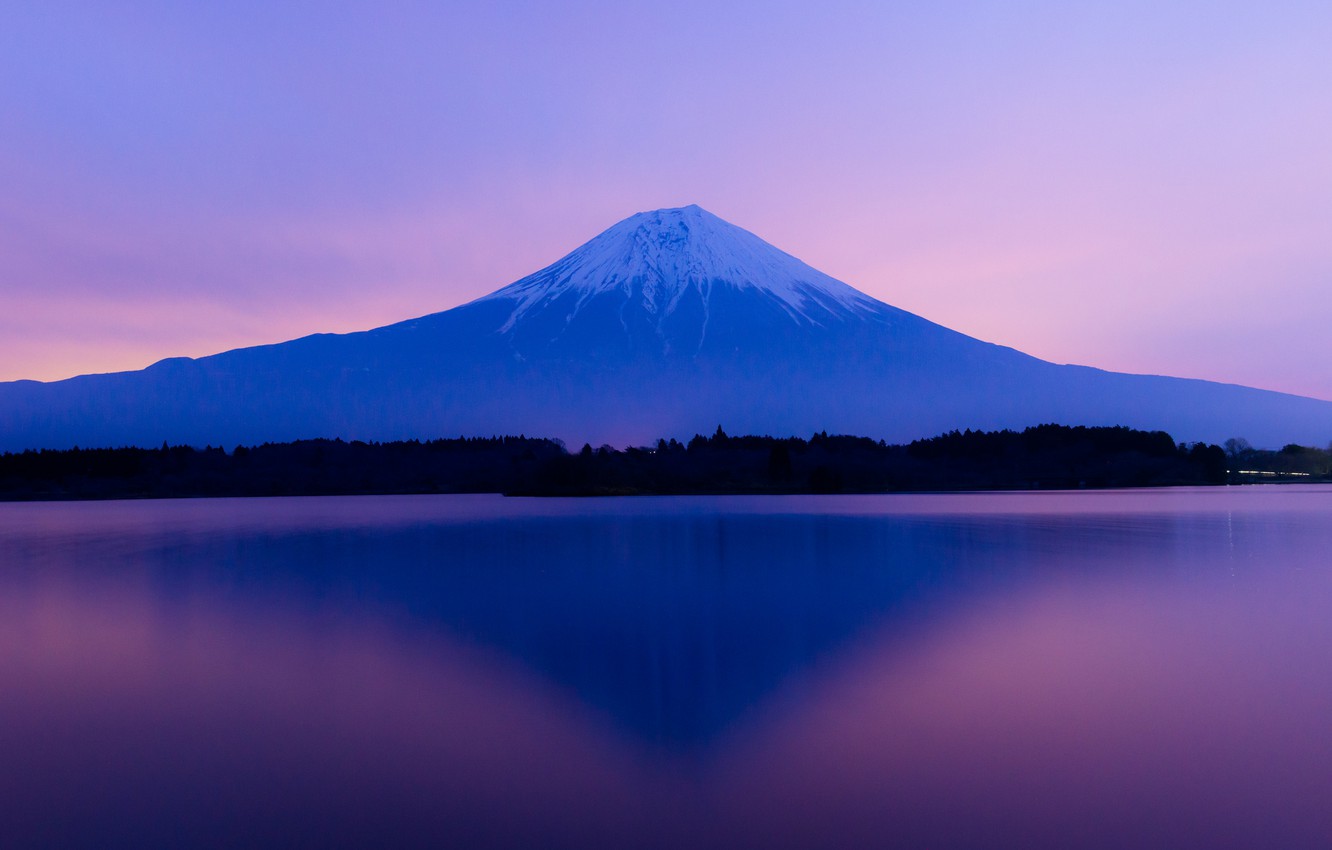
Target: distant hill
667	323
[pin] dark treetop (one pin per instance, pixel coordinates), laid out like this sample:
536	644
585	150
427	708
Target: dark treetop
1042	457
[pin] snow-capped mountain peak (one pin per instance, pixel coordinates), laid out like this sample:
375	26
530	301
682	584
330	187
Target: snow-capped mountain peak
657	260
665	325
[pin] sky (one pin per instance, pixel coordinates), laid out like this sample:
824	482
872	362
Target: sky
1139	186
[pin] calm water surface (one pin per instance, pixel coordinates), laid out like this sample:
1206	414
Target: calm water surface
1095	669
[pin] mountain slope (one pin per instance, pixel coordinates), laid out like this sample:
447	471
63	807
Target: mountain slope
666	324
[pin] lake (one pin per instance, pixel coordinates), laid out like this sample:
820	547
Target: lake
1083	669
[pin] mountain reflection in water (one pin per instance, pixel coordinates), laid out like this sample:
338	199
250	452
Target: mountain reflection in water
1090	669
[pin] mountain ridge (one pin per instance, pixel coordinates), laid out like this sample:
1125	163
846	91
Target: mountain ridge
665	324
668	253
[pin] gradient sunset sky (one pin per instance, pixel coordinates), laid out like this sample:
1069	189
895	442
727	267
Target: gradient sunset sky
1140	186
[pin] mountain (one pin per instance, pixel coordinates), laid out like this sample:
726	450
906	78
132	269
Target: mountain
667	324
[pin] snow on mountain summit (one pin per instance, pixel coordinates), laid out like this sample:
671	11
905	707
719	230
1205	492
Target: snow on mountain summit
657	260
666	324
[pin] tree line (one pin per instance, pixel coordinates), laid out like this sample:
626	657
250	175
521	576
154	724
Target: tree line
1291	462
1041	457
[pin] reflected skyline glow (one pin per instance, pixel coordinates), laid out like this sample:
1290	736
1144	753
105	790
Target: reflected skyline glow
1037	670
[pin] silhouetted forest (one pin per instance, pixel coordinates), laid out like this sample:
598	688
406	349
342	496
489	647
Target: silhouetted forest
1043	457
302	468
1292	463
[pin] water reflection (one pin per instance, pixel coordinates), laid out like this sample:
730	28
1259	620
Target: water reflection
1144	669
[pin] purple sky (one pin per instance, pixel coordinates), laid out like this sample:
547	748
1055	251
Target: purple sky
1129	185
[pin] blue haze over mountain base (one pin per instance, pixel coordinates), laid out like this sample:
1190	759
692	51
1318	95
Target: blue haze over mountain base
667	324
